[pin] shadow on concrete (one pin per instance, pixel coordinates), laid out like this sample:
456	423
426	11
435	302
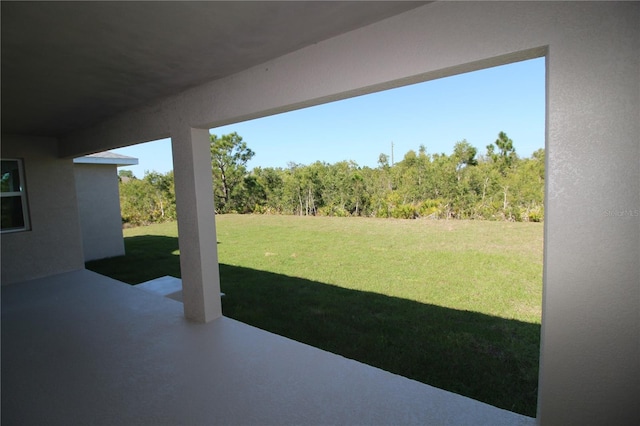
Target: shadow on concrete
491	359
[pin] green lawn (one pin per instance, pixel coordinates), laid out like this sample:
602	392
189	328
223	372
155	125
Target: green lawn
455	304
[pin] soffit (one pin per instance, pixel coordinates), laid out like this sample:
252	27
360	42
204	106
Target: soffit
69	65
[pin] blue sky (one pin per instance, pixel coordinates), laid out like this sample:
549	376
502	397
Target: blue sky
473	106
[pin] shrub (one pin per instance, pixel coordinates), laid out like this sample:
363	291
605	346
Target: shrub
404	211
333	211
533	214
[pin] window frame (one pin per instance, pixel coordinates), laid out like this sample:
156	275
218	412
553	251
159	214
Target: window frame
22	193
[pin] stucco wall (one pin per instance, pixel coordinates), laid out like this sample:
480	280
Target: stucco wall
54	243
590	355
99	208
590	366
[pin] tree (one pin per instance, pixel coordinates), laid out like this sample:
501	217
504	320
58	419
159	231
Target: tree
462	185
254	195
465	154
148	200
506	157
271	180
383	161
163	191
126	174
229	157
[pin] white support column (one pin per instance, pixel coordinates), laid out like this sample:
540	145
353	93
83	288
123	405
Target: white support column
196	224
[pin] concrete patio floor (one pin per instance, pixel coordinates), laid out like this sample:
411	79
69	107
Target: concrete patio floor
81	348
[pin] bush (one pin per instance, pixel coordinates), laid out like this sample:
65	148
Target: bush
404	211
333	211
431	209
533	214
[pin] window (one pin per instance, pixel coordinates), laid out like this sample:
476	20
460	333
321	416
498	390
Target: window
15	215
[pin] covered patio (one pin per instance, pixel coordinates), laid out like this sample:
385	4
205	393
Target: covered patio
81	348
84	77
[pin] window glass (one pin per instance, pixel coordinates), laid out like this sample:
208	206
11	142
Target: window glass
12	213
10	176
13	205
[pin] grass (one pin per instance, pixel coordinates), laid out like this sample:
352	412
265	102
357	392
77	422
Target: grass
454	304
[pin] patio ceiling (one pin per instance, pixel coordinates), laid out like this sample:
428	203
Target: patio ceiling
70	65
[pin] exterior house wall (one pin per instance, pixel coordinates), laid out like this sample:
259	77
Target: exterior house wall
53	244
590	353
99	208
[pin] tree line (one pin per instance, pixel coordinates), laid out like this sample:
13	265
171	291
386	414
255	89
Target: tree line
497	185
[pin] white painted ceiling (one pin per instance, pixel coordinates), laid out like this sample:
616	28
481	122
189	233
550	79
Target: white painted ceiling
69	65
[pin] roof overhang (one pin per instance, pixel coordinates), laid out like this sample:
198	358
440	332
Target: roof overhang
68	66
108	158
